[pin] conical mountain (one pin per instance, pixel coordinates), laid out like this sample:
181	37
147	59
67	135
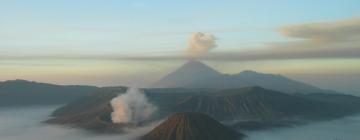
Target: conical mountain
191	126
191	72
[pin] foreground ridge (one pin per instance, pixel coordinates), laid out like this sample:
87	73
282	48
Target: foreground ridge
191	126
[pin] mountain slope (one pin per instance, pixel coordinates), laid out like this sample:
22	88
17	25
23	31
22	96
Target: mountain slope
249	103
193	71
275	82
191	126
21	92
244	104
195	74
92	112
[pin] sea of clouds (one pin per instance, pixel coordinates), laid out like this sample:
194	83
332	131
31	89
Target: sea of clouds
26	123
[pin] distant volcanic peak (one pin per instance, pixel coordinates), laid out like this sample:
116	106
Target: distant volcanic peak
188	74
194	62
191	126
194	65
195	74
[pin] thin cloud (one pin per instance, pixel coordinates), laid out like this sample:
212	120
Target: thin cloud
323	40
326	32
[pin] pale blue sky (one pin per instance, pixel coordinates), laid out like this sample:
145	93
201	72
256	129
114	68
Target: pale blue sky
87	27
42	29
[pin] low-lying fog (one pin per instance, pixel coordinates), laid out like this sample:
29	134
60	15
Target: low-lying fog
25	123
342	129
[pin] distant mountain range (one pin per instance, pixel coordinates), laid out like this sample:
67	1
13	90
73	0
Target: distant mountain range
23	93
192	75
195	74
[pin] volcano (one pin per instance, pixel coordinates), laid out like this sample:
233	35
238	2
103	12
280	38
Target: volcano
191	126
191	72
195	74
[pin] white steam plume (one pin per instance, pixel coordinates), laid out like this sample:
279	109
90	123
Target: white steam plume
131	107
200	44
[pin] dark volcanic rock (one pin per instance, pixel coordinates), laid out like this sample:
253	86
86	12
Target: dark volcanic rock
191	126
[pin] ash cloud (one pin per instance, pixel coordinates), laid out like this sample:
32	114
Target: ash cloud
200	44
131	107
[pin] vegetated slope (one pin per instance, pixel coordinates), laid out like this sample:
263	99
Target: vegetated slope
191	126
22	93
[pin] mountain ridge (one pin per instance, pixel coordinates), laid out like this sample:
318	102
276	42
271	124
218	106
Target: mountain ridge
23	92
189	75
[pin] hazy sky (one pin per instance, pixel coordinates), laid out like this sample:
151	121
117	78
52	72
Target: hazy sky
110	42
